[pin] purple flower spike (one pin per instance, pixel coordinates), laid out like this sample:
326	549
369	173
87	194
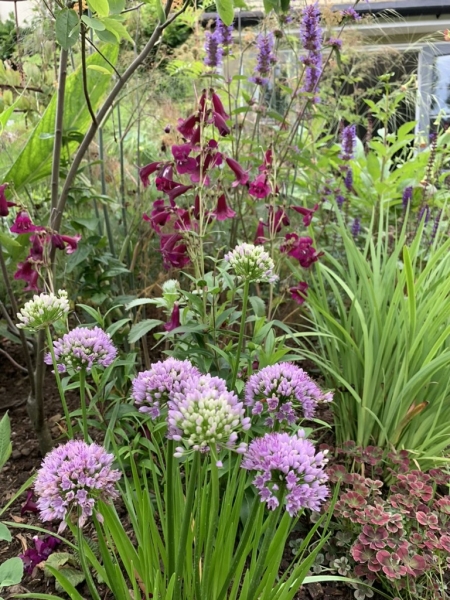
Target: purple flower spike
287	465
213	49
83	348
265	60
348	142
224	33
407	196
74	477
280	390
311	36
152	389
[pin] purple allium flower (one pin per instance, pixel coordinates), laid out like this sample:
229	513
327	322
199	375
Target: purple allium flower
213	49
73	477
206	415
287	462
83	348
152	389
265	60
407	196
356	228
224	33
281	388
43	547
311	36
348	179
348	142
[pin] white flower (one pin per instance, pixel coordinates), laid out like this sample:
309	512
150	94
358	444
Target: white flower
43	310
252	263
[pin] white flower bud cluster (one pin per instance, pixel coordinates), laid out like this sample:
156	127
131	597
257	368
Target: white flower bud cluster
252	263
43	310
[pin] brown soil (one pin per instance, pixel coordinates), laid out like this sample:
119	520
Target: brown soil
25	459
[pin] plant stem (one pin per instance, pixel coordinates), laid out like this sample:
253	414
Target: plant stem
57	142
83	405
59	384
213	518
170	510
84	565
35	403
187	517
241	331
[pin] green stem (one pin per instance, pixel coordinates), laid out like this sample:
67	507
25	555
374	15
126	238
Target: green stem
213	518
249	525
84	565
58	383
83	405
241	331
187	517
170	510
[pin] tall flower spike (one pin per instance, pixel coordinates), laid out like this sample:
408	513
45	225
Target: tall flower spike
348	142
83	348
224	33
288	469
43	310
252	263
265	60
213	49
74	477
280	390
311	37
152	389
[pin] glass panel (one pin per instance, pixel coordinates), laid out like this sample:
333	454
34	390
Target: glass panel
441	86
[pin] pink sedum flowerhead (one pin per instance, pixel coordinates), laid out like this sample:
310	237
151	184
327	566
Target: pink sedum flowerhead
153	389
252	263
74	477
287	463
83	348
280	390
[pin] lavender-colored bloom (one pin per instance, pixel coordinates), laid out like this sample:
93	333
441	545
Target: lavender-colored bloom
83	348
351	14
224	33
311	37
407	197
265	60
280	389
207	416
348	142
214	50
154	388
340	199
73	477
436	223
356	228
289	464
348	179
424	213
335	43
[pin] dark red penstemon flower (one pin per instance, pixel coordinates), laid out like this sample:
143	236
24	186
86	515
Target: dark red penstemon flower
307	213
29	506
299	292
4	203
174	319
26	271
183	222
241	175
260	188
277	219
220	124
218	106
145	172
183	163
23	224
259	236
65	242
173	250
301	248
159	215
223	211
37	248
186	127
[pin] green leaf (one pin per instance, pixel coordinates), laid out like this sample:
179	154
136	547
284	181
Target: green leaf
240	4
285	5
118	29
140	329
34	162
101	7
11	572
107	37
258	305
5	439
270	5
225	10
160	12
5	534
93	23
114	327
8	241
100	69
116	6
67	28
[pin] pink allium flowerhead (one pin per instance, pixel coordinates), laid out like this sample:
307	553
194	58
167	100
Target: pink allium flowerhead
73	477
207	416
153	389
287	462
280	390
83	348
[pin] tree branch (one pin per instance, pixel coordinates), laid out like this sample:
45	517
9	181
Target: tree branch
57	143
5	86
83	66
10	358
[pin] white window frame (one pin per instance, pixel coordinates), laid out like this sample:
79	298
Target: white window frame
427	57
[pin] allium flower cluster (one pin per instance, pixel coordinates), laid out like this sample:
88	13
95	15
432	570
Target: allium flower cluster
252	263
280	390
153	389
43	310
74	477
207	416
287	463
311	37
83	348
265	60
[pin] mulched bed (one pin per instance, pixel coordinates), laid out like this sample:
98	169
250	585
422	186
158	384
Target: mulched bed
25	459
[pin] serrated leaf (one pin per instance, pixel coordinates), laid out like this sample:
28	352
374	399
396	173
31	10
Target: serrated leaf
118	29
93	23
67	28
101	7
5	439
34	161
11	572
5	534
140	329
225	10
7	241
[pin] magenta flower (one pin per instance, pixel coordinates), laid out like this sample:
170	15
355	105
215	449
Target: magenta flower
177	191
27	272
223	211
259	236
29	506
145	172
174	318
73	477
240	174
23	224
153	389
67	242
289	471
299	292
307	213
173	250
260	188
4	203
186	127
36	253
219	123
183	163
43	547
301	248
277	219
218	106
159	215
